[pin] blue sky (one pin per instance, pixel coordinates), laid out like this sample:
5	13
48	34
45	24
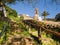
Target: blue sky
25	8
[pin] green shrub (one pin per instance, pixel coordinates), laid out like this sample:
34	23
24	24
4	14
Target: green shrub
10	12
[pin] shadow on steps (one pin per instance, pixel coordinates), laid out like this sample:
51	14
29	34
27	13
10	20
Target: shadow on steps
36	39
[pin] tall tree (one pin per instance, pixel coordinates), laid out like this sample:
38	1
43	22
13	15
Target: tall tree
45	14
56	1
3	2
57	17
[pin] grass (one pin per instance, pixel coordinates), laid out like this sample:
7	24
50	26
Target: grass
47	38
26	33
14	18
2	23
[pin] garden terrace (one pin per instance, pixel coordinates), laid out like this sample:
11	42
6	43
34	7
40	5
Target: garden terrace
38	25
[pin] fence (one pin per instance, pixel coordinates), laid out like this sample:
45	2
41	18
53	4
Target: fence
38	27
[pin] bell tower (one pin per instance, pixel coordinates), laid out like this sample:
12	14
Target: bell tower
36	11
36	14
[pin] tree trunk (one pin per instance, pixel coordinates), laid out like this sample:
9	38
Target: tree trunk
44	18
3	9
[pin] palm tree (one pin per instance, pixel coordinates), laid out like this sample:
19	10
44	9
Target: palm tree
45	14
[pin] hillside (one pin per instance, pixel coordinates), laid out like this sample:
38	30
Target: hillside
15	32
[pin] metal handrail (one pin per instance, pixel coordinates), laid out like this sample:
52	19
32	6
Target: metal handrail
4	29
50	31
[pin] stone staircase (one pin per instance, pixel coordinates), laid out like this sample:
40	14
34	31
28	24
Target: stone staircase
17	39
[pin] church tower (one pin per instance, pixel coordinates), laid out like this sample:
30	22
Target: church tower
36	14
